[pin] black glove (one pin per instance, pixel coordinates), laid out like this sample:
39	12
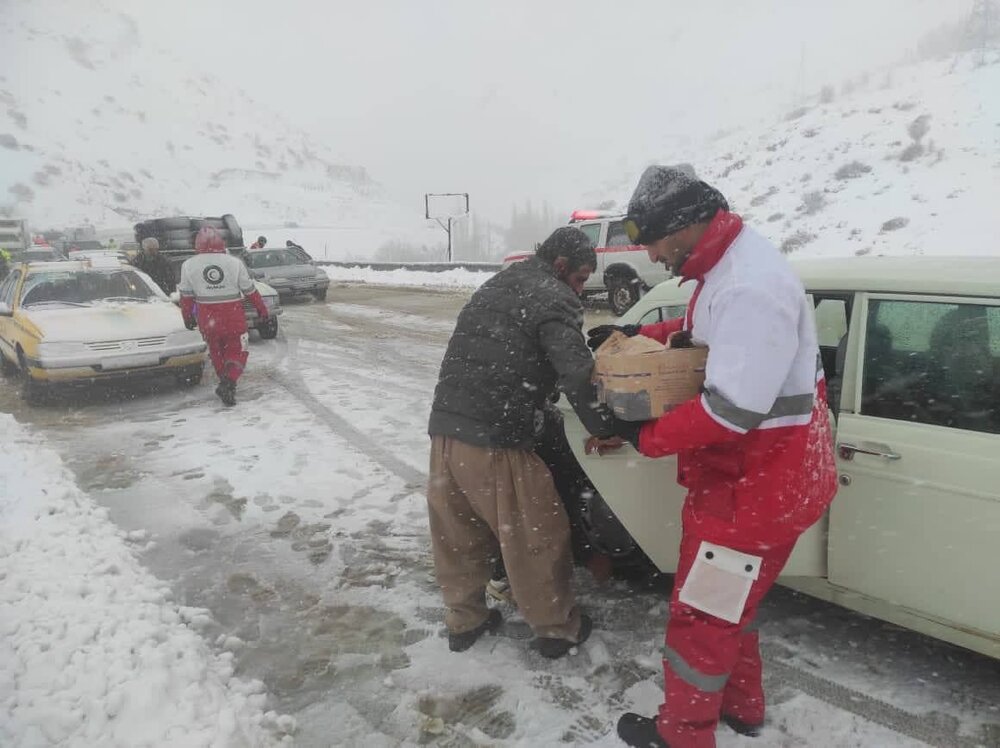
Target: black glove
190	324
597	335
628	430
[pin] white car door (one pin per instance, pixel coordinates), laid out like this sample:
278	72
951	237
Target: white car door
916	522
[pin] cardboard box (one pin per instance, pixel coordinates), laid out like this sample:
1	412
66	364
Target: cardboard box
639	378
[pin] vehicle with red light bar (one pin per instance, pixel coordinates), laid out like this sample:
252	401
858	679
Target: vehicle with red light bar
624	270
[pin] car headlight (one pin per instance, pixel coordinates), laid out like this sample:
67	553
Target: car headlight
270	301
57	349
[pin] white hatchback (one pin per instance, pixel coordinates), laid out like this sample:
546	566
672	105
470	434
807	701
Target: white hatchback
911	351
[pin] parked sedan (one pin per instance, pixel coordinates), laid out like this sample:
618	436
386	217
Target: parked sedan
911	353
288	272
79	322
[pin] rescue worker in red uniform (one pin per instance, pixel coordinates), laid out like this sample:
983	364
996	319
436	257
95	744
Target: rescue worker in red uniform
260	243
212	287
754	450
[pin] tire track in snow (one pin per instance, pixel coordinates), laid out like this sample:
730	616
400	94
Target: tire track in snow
293	382
925	728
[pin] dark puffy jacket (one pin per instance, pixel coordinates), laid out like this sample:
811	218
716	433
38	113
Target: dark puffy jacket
517	342
159	269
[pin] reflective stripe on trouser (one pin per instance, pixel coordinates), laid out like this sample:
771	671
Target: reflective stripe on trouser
711	666
482	502
228	355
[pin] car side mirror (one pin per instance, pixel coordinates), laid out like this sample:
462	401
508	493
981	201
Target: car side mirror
175	297
5	310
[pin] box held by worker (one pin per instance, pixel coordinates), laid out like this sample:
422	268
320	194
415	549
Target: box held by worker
640	378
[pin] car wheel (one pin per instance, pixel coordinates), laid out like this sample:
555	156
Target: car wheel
320	295
32	390
177	234
180	222
7	368
269	330
233	226
191	377
623	293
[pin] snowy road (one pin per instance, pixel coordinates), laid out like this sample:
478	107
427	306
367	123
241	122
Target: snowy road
298	520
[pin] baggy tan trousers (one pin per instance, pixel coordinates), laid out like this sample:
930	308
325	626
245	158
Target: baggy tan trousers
482	501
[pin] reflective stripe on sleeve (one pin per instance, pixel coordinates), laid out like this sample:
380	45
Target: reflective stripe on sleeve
744	420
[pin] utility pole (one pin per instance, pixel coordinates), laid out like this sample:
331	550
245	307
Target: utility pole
449	217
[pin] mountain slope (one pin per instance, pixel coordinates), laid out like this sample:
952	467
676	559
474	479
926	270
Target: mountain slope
100	123
910	165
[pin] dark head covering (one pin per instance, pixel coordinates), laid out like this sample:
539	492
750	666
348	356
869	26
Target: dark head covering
571	243
670	198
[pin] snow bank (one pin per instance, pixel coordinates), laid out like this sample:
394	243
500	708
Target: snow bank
92	652
457	278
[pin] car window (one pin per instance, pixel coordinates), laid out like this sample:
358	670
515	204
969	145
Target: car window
651	317
831	322
663	313
83	287
272	258
592	230
617	236
932	362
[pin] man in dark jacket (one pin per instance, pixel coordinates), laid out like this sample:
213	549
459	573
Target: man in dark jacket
516	344
155	265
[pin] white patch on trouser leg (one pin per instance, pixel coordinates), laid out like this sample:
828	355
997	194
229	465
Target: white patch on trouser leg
719	582
245	341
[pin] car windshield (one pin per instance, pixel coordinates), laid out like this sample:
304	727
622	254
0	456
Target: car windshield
76	287
272	258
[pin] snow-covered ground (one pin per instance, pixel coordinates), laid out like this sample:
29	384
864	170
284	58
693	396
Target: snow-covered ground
93	650
295	525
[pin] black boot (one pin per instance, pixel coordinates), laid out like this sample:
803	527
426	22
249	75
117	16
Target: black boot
743	728
461	642
227	392
555	648
639	731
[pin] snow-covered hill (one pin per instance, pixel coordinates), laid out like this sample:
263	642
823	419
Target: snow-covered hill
101	123
908	164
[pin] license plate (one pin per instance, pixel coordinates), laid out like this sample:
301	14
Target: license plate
136	359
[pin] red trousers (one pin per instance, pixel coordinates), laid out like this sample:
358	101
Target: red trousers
224	328
711	666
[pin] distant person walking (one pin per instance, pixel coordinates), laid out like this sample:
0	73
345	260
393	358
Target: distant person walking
217	283
260	243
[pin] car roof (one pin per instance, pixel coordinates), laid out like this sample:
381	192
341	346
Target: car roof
952	276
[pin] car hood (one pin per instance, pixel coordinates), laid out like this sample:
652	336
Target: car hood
288	271
263	289
110	321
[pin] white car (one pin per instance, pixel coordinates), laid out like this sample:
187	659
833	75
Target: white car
623	270
80	322
911	351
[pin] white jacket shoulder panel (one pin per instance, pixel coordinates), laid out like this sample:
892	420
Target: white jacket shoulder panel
215	277
754	315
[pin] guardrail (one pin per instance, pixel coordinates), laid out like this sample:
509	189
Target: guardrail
427	267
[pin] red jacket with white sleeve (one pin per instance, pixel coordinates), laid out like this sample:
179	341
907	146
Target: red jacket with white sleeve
755	450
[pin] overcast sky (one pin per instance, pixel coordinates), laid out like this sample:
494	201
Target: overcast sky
542	100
